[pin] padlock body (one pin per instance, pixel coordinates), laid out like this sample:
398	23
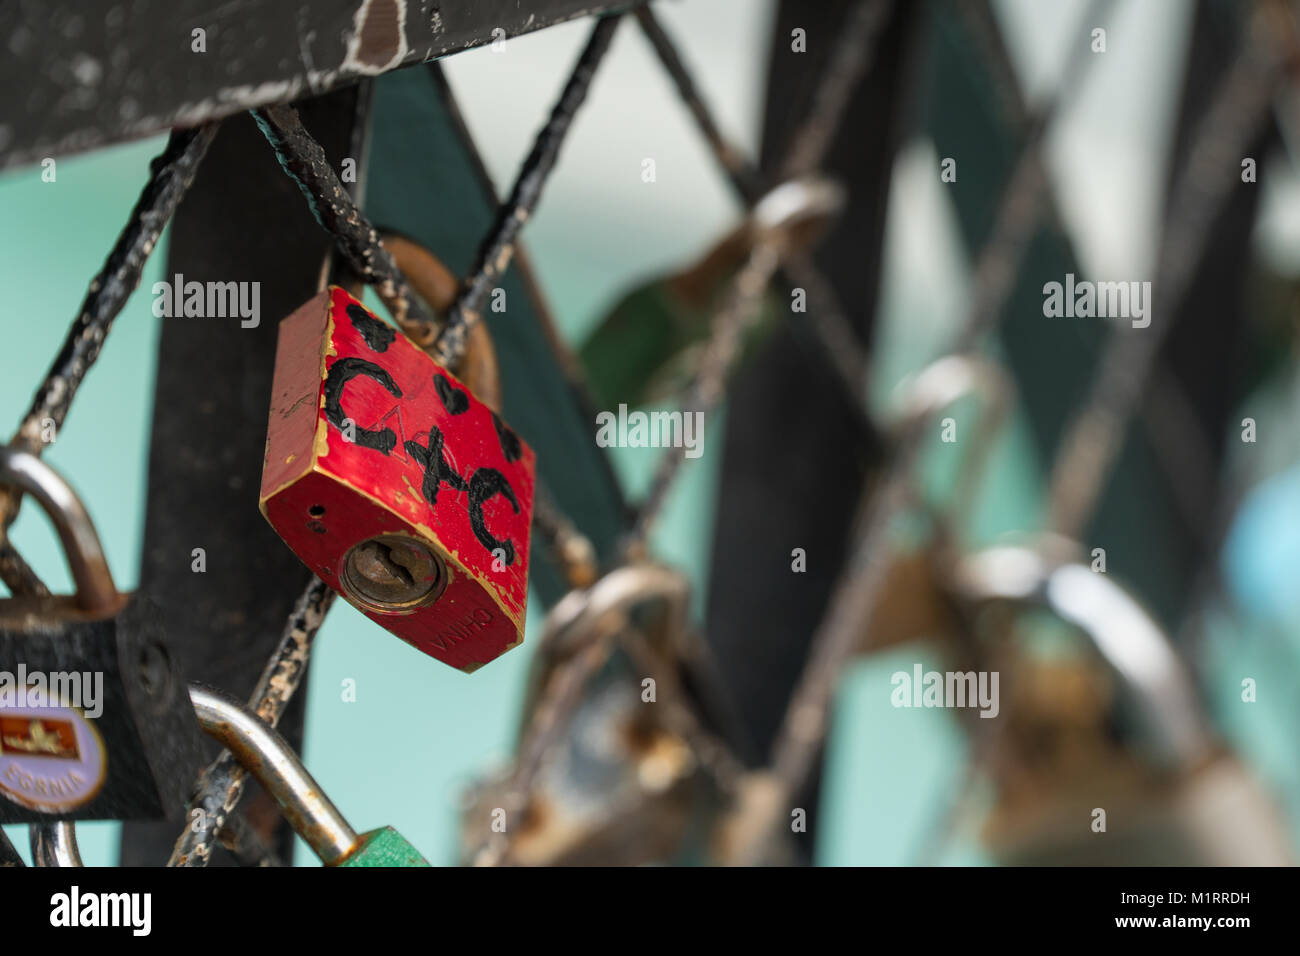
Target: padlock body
621	786
372	441
95	718
384	847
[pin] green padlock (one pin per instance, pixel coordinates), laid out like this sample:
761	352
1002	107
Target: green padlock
265	754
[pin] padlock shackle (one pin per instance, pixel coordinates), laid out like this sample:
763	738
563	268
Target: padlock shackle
438	286
55	844
585	616
85	555
1121	631
798	211
266	755
614	594
940	385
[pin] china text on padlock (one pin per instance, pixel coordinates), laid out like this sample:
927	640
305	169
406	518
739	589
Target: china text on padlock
391	481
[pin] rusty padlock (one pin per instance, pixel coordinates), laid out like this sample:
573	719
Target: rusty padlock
396	484
620	785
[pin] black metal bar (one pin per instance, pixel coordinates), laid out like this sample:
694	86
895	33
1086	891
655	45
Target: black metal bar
94	74
759	614
849	61
797	745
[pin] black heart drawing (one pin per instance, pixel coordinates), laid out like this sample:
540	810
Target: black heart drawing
509	440
378	335
453	399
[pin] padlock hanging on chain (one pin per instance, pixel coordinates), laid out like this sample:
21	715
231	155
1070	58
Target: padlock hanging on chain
97	725
265	754
395	484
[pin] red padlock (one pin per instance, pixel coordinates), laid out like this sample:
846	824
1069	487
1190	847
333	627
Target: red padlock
391	481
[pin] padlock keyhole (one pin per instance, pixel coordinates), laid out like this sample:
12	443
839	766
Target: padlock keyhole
154	670
379	561
391	572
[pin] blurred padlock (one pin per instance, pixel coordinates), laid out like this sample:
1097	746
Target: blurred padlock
396	485
1172	794
913	604
620	785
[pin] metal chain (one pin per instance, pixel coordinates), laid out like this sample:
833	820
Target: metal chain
222	783
355	237
831	326
498	246
170	176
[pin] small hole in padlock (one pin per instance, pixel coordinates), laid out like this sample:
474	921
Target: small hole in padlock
154	670
316	511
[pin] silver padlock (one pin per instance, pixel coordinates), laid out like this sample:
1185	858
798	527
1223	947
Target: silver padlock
55	844
1173	794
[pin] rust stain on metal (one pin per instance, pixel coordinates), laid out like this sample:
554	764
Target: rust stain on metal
379	42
